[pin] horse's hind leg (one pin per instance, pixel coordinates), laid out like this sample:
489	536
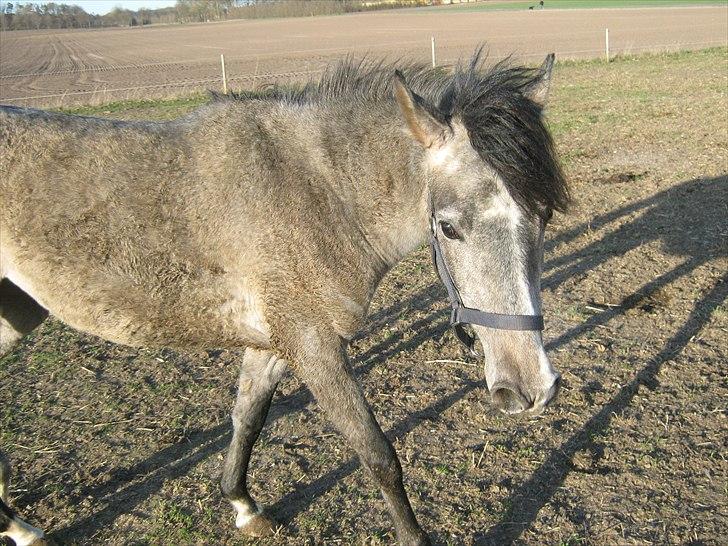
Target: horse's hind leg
10	525
259	376
4	478
19	314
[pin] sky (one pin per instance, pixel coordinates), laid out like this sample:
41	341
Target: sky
100	7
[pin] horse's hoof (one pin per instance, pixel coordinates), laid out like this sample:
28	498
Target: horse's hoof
21	533
253	522
258	525
418	539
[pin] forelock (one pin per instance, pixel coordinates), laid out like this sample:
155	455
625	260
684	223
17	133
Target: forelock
508	132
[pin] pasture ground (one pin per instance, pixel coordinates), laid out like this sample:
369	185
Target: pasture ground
117	446
60	68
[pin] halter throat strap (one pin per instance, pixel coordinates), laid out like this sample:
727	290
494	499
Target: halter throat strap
461	314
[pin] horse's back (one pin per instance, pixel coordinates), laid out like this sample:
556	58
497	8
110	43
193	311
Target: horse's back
73	185
98	221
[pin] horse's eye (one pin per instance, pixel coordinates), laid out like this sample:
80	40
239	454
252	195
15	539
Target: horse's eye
449	231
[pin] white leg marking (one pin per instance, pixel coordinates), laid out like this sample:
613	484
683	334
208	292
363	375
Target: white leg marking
244	514
3	485
22	533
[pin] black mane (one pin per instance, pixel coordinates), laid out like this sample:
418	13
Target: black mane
506	128
508	131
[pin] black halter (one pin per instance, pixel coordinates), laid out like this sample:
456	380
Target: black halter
461	315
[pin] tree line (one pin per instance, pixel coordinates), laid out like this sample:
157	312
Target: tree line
53	15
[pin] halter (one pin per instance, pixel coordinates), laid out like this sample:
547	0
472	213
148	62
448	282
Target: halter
460	314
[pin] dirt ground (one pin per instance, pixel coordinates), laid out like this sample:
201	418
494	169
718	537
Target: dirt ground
42	68
117	446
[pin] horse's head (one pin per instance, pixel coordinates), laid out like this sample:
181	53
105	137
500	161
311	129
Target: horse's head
493	182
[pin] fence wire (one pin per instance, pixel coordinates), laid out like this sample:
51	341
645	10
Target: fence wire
293	75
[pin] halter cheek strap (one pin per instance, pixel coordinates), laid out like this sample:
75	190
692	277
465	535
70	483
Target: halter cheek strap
461	315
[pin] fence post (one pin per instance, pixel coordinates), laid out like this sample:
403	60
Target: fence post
606	42
224	77
434	62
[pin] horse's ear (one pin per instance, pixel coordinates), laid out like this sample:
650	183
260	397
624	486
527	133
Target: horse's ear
422	118
538	90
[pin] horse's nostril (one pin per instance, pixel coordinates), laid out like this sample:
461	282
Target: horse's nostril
508	398
547	396
551	393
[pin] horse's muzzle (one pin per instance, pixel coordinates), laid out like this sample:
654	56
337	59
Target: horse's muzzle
509	398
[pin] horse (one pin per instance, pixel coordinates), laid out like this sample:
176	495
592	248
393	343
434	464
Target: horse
264	223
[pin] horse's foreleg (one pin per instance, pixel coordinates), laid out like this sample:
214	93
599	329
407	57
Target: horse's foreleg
326	370
12	526
259	375
19	314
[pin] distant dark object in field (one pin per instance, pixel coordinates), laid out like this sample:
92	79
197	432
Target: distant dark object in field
622	177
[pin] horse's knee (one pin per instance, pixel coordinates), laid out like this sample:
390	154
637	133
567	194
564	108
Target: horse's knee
251	406
385	467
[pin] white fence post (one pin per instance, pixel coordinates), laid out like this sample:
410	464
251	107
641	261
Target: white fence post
434	62
224	77
606	42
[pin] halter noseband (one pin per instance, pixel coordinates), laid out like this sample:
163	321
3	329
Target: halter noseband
460	314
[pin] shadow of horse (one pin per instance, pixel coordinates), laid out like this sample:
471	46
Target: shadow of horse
682	231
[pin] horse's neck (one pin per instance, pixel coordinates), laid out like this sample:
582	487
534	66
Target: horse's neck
378	172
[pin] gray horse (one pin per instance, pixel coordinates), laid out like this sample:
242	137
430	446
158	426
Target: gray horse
266	223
